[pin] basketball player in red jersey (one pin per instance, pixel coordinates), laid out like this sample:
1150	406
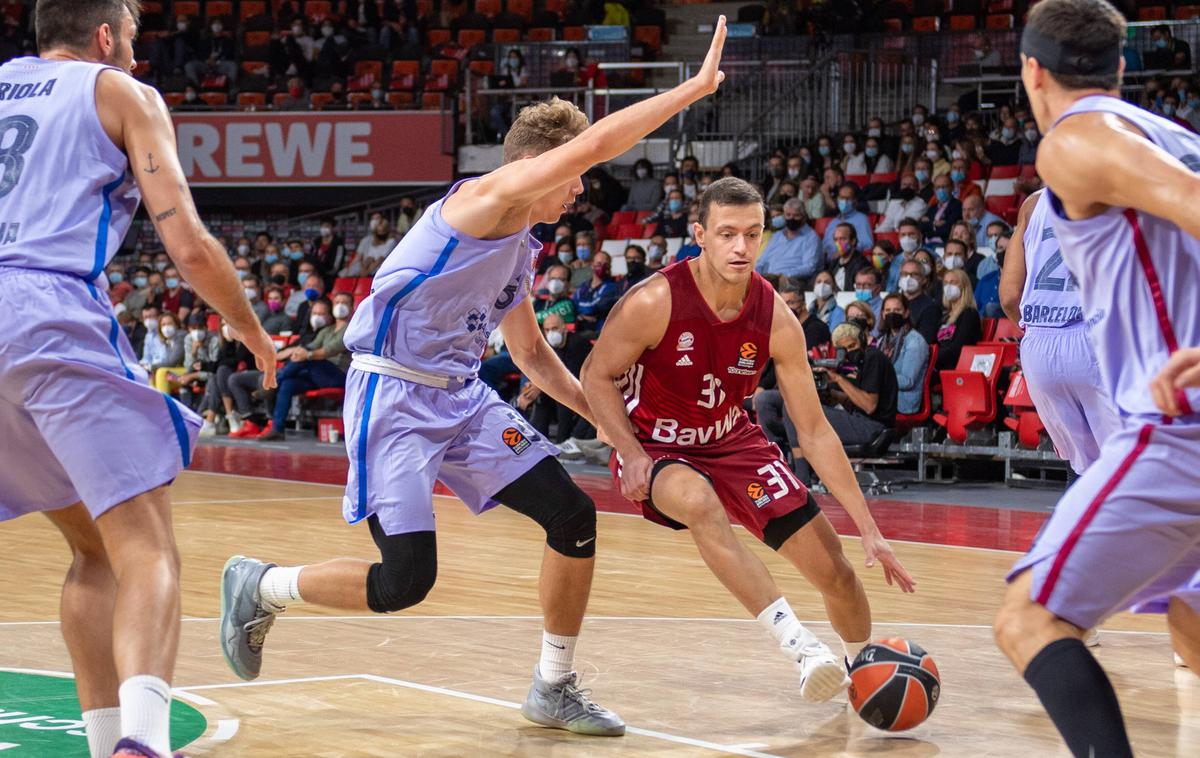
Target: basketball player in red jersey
667	380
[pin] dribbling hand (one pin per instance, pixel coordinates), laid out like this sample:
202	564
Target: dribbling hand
635	477
710	75
1181	372
878	549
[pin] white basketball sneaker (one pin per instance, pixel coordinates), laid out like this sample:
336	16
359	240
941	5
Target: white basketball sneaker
1092	637
822	674
1179	661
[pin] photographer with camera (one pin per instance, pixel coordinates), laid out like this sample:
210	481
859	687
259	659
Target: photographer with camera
862	382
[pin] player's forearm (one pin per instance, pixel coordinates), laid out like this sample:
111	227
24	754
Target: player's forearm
547	372
833	467
209	271
614	135
608	406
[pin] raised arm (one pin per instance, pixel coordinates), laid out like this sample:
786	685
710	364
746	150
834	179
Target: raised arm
1122	169
820	443
136	119
1012	277
637	323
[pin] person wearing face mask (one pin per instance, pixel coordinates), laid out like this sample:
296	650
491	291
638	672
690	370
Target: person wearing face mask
825	305
907	350
847	260
925	313
979	218
1167	51
940	216
1006	148
373	250
922	169
329	249
145	323
318	364
776	173
118	288
635	266
1027	155
304	280
162	354
175	49
853	162
597	296
868	292
936	156
554	297
904	203
562	255
645	192
581	267
141	295
216	55
296	97
312	290
543	411
674	222
810	195
955	127
253	289
161	261
987	289
200	351
878	162
795	249
176	299
962	187
848	213
910	239
409	214
907	155
656	252
217	405
277	320
919	115
961	325
961	255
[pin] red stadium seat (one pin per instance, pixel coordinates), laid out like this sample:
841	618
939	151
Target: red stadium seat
1025	420
1187	12
819	225
277	100
343	284
557	6
358	100
575	34
1000	6
404	75
1006	331
218	8
892	237
624	217
1153	13
540	34
215	99
989	328
1005	172
487	8
172	99
522	8
400	99
424	8
642	216
506	36
893	25
249	101
969	396
366	75
648	230
859	179
187	9
252	9
882	178
362	285
905	422
318	100
926	24
627	231
482	68
318	8
998	204
445	68
469	38
255	68
999	21
431	101
962	23
650	36
437	37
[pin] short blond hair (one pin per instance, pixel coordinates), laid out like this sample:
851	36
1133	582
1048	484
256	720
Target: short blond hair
542	127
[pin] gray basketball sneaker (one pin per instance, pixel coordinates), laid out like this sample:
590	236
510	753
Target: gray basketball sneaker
244	620
565	706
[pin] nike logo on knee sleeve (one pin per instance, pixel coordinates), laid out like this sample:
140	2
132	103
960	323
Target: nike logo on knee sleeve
581	543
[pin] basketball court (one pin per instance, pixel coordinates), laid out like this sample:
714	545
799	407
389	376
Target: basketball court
664	645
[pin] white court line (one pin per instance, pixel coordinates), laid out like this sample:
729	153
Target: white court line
226	728
254	500
263	478
191	698
268	682
40	672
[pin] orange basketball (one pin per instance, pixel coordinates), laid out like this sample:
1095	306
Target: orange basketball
894	684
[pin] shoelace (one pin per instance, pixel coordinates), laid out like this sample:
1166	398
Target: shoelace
257	628
580	697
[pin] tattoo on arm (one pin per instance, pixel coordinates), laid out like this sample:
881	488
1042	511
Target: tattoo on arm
151	169
164	215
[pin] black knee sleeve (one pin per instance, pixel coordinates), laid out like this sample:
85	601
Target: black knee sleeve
407	572
547	495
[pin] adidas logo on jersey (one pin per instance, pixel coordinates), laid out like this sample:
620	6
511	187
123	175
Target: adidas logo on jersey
684	361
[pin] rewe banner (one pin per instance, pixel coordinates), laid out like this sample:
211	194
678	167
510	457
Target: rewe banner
313	148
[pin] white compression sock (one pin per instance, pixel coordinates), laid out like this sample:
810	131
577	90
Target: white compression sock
146	712
103	731
558	657
280	586
780	620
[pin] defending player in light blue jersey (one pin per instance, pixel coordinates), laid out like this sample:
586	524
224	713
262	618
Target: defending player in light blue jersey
83	437
417	413
1122	193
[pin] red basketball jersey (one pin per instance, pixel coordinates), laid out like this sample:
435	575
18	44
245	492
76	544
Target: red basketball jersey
689	389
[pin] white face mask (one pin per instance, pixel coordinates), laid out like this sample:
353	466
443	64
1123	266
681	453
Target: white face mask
341	311
654	252
932	155
556	338
168	331
243	250
251	293
909	244
566	256
181	25
225	333
556	286
849	148
150	323
326	231
318	322
909	284
641	173
952	292
875	132
217	28
956	155
327	31
918	119
197	335
298	31
952	262
823	290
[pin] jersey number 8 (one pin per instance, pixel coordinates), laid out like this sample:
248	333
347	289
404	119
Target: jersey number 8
12	154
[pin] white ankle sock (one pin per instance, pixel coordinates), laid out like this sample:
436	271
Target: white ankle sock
103	731
852	649
780	620
280	586
558	657
146	712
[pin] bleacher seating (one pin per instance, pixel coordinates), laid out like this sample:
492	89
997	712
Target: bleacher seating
969	392
1025	420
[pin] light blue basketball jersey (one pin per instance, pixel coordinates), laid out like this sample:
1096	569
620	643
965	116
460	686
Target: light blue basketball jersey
1051	295
66	196
440	293
1138	275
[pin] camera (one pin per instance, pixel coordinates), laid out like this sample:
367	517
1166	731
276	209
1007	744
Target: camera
829	364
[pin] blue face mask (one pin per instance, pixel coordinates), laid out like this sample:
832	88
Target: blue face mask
242	274
943	194
951	117
172	283
583	252
272	258
296	255
301	278
1161	44
1007	134
872	152
957	176
674	205
862	295
116	277
823	150
922	176
1168	110
906	147
845	206
140	281
311	294
778	222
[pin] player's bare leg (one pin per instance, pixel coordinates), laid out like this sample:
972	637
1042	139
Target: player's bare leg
682	494
88	596
141	551
563	588
1023	628
1184	623
339	583
817	552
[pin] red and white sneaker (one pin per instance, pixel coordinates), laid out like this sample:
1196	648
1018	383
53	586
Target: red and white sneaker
249	430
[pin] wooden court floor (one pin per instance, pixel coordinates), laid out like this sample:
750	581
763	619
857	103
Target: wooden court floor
665	645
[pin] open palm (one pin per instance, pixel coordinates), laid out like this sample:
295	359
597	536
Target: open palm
710	74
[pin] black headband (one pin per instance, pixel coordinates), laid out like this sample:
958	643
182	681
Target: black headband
1065	58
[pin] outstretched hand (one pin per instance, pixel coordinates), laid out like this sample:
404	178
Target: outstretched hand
1181	372
710	75
878	549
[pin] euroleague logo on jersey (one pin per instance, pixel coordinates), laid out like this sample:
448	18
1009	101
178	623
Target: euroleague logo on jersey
747	355
516	441
757	494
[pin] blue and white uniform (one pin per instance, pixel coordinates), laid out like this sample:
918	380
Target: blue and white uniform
1128	532
1057	358
415	410
78	419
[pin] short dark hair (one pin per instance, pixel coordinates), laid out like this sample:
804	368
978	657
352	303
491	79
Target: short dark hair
728	191
71	23
1090	25
909	222
871	272
965	247
851	185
